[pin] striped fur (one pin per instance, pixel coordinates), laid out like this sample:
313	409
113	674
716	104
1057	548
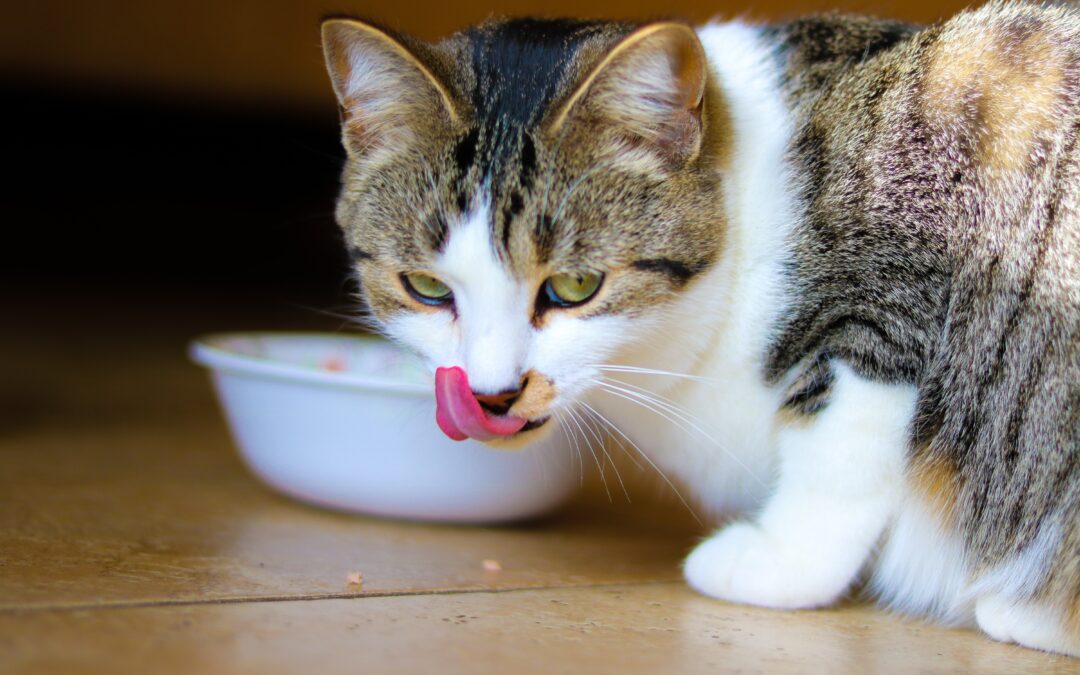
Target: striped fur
941	247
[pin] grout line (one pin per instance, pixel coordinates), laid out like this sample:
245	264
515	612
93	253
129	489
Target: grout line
12	610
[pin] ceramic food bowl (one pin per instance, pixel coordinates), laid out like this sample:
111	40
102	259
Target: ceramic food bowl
349	423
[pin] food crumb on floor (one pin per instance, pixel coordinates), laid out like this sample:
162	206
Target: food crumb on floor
492	565
355	579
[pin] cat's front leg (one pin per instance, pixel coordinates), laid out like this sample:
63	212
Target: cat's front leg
840	481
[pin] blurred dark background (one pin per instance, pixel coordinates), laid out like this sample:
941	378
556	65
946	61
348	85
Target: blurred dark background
187	152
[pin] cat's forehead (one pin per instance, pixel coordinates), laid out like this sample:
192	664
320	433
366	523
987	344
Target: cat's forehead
511	72
510	76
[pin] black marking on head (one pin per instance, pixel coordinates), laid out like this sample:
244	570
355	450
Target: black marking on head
528	161
358	255
519	65
679	272
517	203
462	200
505	236
519	68
465	152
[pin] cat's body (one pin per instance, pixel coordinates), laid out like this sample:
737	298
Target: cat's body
857	243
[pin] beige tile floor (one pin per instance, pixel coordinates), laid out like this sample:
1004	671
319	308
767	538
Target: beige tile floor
133	540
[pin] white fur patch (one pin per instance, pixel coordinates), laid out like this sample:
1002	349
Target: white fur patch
493	308
841	477
921	568
488	333
1025	623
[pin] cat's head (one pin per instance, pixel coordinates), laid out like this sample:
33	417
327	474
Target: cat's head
525	199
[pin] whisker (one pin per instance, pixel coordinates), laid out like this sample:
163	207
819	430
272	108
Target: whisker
603	478
608	423
676	417
653	371
360	317
581	462
652	395
659	471
603	448
574	431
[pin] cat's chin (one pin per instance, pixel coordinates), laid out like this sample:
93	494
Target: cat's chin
530	433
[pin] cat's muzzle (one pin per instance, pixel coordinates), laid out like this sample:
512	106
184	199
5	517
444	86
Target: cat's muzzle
460	415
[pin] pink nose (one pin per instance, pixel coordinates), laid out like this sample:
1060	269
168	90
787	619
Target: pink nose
459	414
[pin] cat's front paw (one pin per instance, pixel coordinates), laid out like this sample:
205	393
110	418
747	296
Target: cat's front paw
741	563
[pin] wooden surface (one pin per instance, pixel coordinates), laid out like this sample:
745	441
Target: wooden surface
133	540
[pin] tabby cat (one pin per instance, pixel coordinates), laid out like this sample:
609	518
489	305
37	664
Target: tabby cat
839	258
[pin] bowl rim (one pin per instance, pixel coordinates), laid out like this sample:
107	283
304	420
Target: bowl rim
208	351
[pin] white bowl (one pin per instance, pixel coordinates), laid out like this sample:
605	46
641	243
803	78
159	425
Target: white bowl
349	423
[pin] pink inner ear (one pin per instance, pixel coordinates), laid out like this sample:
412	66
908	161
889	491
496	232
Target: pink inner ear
458	413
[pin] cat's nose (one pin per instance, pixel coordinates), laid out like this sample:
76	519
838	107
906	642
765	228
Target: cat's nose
500	403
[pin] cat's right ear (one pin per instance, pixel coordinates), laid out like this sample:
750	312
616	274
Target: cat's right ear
384	90
652	87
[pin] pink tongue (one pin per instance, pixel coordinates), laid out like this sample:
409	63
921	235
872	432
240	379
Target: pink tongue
459	414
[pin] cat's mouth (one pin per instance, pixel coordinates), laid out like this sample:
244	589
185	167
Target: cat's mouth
521	438
460	415
533	424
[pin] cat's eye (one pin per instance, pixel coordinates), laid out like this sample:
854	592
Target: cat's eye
573	288
426	288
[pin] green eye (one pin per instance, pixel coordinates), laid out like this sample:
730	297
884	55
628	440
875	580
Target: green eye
426	288
574	288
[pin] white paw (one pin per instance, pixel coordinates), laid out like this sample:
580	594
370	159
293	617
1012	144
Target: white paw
742	564
1026	624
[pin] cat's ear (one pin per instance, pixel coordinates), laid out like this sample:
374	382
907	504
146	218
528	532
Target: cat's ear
651	85
385	91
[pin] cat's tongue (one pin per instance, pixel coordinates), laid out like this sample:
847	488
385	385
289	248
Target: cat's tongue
459	414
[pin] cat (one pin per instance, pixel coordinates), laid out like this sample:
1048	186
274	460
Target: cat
825	272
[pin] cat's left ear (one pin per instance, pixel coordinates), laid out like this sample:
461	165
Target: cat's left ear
652	86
